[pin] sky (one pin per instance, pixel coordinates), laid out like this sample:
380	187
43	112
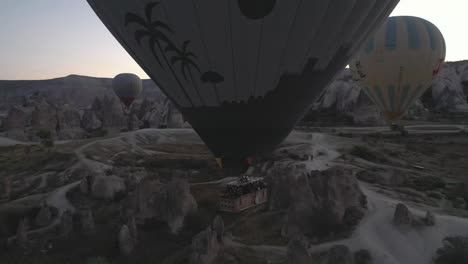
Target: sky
43	39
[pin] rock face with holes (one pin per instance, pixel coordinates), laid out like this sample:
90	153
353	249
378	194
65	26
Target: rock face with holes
218	227
44	116
318	203
448	88
448	92
156	116
205	247
362	256
131	175
107	187
297	252
69	123
168	202
90	121
126	242
402	216
22	233
339	254
44	216
66	223
133	229
429	219
86	221
16	121
207	244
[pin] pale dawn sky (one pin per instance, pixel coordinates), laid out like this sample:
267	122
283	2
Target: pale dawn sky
43	39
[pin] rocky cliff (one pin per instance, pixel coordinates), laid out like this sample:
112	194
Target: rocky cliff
344	100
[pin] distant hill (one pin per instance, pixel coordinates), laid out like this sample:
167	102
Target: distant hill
77	90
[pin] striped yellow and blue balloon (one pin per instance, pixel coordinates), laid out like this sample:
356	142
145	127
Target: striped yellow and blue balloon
398	63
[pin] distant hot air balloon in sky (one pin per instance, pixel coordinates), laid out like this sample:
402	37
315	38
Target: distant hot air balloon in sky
127	87
242	72
398	63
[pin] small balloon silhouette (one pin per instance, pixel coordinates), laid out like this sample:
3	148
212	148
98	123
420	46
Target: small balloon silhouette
212	77
256	9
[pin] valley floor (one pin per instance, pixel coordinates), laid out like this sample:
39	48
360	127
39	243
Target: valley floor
427	170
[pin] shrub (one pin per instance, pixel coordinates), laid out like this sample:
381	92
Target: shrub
455	251
46	138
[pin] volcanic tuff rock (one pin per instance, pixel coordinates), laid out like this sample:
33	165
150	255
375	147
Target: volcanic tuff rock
86	221
168	202
69	123
112	113
66	223
448	89
205	247
156	116
339	254
430	219
22	233
207	244
107	187
402	216
44	216
90	121
44	116
362	256
318	203
80	91
448	92
133	229
126	242
16	121
297	253
131	175
218	227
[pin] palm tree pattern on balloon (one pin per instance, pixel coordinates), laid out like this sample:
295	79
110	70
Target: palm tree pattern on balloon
157	33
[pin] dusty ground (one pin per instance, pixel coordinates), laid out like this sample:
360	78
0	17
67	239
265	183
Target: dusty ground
386	164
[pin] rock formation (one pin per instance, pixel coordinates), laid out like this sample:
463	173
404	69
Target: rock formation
339	254
107	187
90	121
126	242
218	227
86	220
132	227
318	203
205	247
44	216
297	252
66	223
22	233
448	92
362	257
169	202
430	219
69	123
402	216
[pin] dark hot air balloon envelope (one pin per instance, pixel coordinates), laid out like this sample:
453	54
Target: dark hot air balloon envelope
243	72
127	87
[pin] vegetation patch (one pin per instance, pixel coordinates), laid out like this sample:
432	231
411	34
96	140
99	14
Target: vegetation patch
454	251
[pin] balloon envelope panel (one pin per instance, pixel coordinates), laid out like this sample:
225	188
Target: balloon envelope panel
242	72
398	63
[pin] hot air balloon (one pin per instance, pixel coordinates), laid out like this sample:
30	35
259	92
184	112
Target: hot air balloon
398	63
243	72
127	87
